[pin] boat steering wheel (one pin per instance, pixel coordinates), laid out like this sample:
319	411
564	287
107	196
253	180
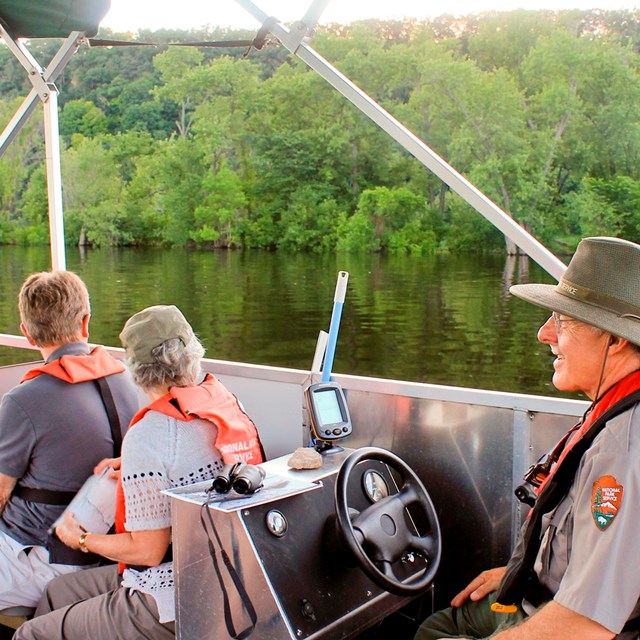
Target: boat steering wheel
379	536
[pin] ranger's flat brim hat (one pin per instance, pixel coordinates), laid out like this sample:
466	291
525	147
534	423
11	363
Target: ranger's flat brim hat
601	287
150	328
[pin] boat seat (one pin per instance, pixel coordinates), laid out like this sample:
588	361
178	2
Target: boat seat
13	617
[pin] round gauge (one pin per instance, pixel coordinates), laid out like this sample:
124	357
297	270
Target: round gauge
276	523
375	486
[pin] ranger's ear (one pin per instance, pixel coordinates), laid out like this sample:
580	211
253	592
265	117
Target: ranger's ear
617	344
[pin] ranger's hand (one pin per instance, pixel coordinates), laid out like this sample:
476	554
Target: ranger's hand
481	586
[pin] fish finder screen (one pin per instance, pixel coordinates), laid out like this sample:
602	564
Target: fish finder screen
328	407
328	411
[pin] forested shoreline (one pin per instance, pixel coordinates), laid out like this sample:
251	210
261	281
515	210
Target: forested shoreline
219	148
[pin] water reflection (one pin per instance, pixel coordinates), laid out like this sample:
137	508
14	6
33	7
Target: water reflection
439	319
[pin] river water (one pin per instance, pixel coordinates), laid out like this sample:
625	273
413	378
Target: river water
440	319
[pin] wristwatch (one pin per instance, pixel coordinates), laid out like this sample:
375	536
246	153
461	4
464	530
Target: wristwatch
82	542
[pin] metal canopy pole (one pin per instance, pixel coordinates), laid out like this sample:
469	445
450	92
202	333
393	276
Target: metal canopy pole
51	73
294	41
54	181
45	91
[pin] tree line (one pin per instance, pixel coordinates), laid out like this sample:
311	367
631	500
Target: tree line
224	148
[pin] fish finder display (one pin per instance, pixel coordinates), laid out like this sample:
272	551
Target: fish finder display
328	407
328	411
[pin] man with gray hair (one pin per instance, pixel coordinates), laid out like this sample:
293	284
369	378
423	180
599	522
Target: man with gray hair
55	426
574	574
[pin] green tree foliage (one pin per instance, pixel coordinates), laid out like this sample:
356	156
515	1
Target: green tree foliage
82	117
392	220
21	159
177	171
310	222
608	207
219	218
176	68
182	146
92	194
34	210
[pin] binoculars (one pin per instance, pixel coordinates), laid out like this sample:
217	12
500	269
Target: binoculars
243	478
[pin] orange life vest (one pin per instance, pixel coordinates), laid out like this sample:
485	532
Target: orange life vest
237	439
79	368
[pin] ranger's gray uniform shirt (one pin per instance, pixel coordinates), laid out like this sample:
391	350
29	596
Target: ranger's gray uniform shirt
590	553
52	434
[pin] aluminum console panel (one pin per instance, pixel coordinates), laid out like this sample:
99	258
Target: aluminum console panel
300	587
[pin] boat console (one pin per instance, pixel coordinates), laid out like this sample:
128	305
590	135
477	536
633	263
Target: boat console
322	553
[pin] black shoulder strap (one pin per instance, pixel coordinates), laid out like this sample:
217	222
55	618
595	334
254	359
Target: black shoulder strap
63	498
520	566
112	413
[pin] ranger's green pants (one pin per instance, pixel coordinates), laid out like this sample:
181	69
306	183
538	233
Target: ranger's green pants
472	620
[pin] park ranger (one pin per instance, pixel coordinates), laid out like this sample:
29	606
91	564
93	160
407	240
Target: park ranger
575	571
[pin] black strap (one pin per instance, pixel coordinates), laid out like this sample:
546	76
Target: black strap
257	43
520	567
112	414
44	496
242	592
219	44
632	625
63	498
261	36
536	593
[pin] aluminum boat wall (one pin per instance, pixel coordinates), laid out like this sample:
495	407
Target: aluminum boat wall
470	447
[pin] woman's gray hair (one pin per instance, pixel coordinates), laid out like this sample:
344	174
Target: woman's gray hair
176	365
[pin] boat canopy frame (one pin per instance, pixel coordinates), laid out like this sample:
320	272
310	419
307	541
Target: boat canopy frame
45	92
73	20
296	41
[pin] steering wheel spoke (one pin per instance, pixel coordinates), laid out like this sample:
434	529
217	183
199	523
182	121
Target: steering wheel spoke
427	546
380	535
387	569
409	494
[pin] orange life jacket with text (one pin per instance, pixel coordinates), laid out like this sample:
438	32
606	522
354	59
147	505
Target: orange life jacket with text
79	368
237	439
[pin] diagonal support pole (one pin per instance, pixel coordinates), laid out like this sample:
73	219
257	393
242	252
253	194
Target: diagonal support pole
294	41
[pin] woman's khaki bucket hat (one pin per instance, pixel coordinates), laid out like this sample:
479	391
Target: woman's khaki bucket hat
601	287
149	328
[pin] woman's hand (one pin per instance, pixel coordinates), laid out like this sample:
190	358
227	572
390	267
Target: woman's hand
113	463
69	531
481	586
146	548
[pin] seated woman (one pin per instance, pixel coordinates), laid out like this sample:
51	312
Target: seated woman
192	426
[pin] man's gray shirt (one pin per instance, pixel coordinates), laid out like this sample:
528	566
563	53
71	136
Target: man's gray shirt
52	434
591	541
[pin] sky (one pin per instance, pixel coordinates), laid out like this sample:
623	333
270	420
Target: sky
131	15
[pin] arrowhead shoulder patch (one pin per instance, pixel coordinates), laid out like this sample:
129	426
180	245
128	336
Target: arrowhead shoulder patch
606	500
